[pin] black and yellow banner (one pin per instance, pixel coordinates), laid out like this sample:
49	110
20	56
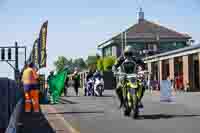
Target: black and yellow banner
36	53
42	45
34	57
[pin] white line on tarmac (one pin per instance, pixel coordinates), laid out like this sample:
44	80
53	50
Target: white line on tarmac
60	117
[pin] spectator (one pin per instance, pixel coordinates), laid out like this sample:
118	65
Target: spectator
76	78
31	88
66	86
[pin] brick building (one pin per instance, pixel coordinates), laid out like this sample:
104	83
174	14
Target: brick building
145	36
182	65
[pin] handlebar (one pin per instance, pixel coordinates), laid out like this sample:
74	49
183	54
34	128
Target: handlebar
133	75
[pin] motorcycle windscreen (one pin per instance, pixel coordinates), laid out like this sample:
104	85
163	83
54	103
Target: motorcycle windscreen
129	67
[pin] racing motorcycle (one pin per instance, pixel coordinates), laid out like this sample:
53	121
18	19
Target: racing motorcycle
131	93
89	90
98	86
133	84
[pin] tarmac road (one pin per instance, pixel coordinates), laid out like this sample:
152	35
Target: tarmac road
101	114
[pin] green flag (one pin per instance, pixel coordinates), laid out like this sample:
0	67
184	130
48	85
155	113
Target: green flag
56	84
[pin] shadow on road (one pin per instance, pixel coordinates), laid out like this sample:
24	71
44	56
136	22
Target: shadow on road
90	96
33	123
107	96
164	116
65	101
80	112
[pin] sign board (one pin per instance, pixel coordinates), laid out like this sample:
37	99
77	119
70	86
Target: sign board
166	91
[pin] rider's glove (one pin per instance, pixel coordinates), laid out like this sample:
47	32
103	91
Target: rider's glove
113	68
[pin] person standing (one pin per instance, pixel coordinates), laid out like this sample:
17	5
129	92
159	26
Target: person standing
50	91
66	86
31	88
76	78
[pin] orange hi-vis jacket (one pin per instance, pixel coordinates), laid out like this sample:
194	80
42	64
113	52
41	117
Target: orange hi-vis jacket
30	76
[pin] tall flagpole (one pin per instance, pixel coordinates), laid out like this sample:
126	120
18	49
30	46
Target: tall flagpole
125	40
122	46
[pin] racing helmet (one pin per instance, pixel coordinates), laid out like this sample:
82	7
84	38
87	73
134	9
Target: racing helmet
128	51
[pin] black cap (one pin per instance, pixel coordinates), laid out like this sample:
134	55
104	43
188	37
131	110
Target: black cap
30	64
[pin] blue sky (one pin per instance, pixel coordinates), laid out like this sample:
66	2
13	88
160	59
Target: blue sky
77	26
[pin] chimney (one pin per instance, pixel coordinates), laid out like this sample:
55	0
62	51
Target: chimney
140	16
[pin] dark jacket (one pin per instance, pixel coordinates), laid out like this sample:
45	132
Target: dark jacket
89	75
121	59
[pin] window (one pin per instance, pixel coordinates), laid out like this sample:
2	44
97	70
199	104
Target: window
163	47
137	46
108	51
152	47
114	51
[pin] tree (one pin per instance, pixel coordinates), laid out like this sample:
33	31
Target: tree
108	62
100	66
92	62
61	63
80	63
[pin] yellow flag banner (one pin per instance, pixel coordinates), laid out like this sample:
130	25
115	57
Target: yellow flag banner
42	45
36	55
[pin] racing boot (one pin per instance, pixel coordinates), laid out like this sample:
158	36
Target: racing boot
120	97
121	103
140	106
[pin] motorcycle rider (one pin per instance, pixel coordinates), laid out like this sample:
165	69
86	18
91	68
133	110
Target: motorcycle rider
129	64
97	76
89	76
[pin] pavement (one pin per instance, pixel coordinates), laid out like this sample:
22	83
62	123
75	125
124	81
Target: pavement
102	115
33	123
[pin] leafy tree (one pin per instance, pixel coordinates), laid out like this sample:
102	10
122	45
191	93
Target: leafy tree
91	60
80	63
108	62
61	63
100	66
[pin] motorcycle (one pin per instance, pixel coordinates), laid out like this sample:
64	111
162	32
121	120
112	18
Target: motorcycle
98	86
131	93
89	88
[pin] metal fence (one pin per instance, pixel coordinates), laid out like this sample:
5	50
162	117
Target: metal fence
10	93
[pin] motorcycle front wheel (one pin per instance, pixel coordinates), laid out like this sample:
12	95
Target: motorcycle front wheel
127	109
100	89
135	107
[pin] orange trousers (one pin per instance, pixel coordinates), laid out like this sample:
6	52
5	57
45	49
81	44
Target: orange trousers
32	99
